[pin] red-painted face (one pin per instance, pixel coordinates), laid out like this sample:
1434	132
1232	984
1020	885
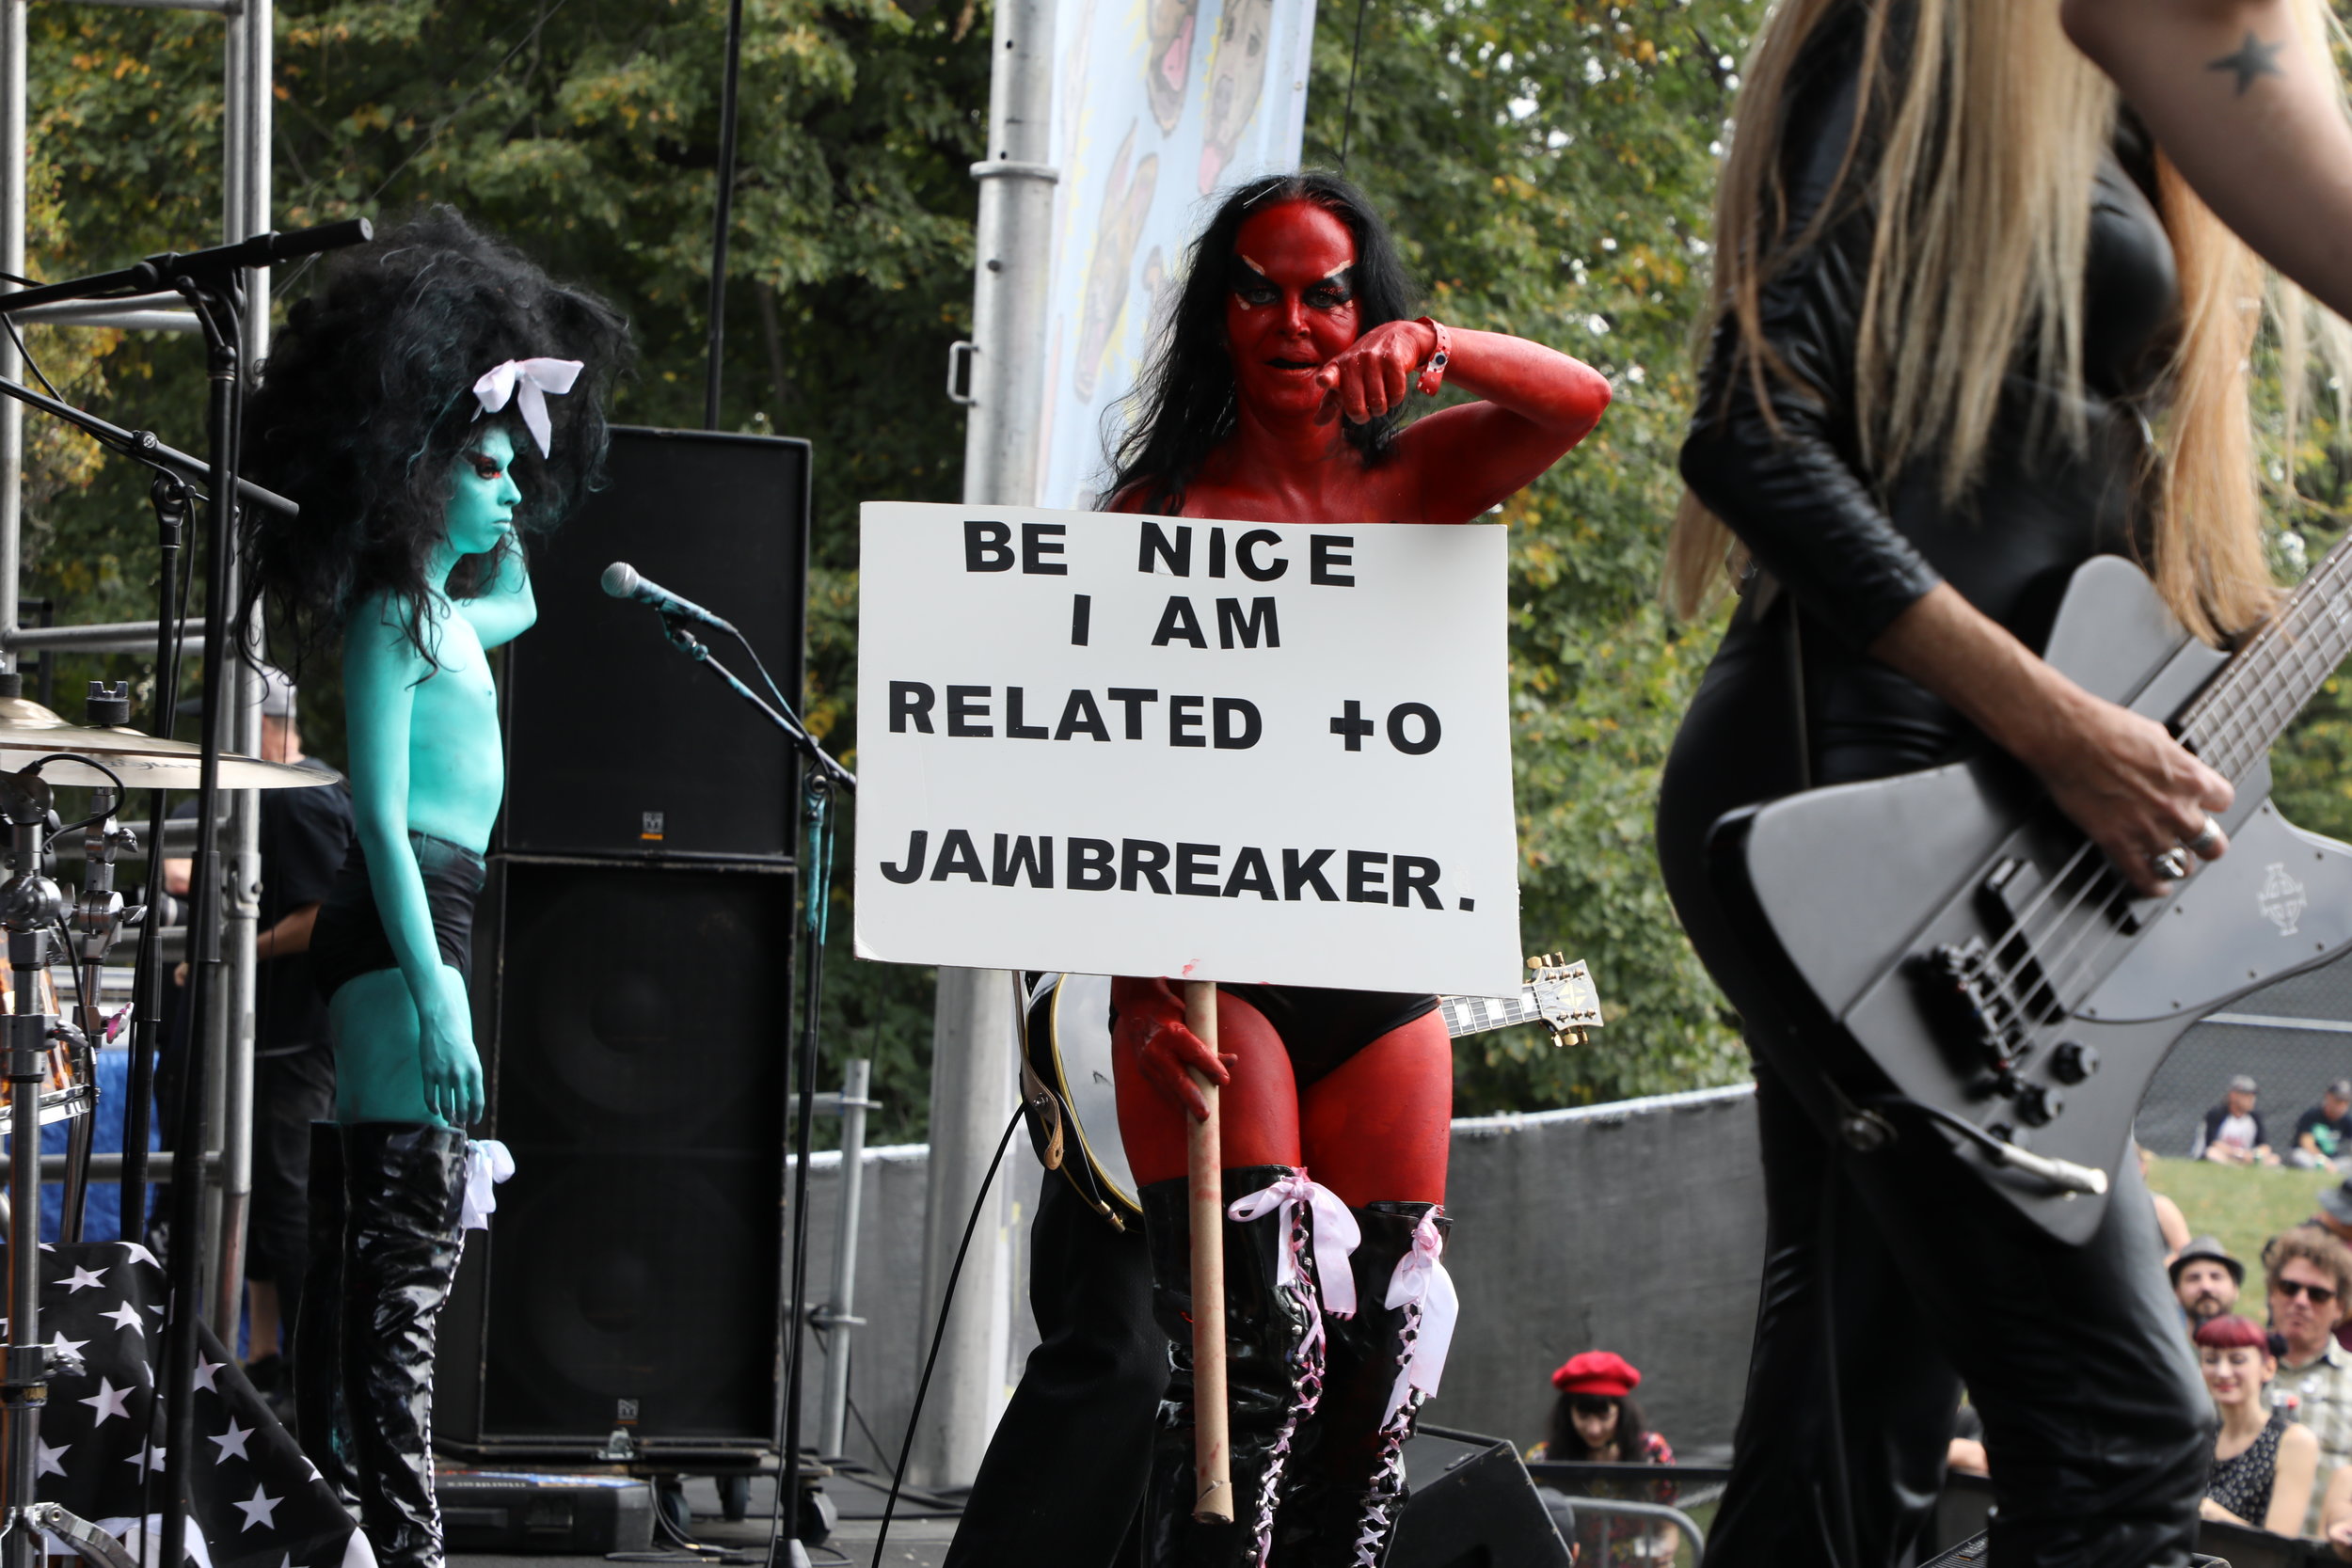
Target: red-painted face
1292	306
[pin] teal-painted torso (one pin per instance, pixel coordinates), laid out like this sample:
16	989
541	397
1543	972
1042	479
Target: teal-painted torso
426	757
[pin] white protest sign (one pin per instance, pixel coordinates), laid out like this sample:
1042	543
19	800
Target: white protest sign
1211	750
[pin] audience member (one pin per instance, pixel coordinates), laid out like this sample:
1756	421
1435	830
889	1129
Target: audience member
2323	1135
2170	1223
2334	1216
1596	1421
2263	1463
2310	1279
303	835
2334	1213
2206	1279
1966	1449
2335	1514
2233	1133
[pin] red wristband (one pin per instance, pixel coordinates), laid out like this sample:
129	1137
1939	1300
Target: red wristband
1433	373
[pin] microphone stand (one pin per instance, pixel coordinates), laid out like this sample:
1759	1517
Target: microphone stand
823	775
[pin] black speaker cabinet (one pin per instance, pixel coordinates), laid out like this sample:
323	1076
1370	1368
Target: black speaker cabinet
1472	1506
634	1021
616	744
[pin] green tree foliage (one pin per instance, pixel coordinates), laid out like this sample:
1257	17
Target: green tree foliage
1549	168
587	131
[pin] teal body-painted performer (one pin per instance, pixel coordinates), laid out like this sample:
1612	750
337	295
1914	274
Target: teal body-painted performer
435	403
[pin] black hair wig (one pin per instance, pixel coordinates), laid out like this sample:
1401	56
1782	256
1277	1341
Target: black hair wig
1562	1443
366	404
1184	403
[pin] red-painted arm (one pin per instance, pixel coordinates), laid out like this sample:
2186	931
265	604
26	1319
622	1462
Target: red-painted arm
1537	404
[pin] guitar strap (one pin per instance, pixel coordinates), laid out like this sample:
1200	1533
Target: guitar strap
1766	598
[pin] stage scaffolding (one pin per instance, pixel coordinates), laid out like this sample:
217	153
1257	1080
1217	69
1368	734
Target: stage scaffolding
245	55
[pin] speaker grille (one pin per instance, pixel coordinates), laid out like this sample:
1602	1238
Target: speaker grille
616	744
640	1077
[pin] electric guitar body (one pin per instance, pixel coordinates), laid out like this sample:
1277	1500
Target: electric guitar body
1949	936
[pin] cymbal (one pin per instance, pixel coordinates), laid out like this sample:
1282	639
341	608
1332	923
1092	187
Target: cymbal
29	730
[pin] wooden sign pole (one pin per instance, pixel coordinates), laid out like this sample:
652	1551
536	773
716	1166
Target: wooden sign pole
1205	1181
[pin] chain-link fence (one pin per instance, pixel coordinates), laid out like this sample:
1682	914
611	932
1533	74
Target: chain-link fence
2293	1038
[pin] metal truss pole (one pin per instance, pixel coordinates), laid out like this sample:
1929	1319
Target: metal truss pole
245	198
972	1040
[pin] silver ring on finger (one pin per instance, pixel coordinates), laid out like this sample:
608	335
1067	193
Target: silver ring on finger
2171	864
2207	838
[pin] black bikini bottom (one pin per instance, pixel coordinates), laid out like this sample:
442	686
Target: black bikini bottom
349	940
1321	1029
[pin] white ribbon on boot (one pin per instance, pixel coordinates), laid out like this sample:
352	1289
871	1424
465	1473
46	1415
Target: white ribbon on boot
1335	1229
527	382
488	1162
1421	1280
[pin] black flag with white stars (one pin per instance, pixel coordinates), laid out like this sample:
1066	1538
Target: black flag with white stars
255	1501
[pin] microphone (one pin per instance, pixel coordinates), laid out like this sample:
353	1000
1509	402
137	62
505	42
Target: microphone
623	581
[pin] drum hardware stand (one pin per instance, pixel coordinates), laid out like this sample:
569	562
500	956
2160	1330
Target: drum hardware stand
212	283
98	918
821	777
30	906
174	503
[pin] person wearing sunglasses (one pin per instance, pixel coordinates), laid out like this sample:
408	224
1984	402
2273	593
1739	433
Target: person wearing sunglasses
2310	1278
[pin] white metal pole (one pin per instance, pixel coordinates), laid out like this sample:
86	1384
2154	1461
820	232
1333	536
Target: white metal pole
246	185
841	1312
12	150
973	1067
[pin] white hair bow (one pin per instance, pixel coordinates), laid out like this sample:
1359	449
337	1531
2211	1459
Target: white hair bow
527	384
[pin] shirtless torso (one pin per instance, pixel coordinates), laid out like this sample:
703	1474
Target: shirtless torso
426	758
1375	1127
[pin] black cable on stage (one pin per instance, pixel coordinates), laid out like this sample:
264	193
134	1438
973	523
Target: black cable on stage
939	1332
1354	62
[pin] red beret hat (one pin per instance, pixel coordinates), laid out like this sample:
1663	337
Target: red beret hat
1597	1371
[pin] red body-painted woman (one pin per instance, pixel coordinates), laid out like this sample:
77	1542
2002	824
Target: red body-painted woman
1276	397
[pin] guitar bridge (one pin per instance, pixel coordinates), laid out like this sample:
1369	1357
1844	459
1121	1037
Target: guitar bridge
1983	1022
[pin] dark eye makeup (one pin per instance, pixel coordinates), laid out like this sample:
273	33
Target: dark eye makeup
485	467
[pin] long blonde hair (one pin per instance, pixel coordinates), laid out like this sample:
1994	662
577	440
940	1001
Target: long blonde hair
1988	127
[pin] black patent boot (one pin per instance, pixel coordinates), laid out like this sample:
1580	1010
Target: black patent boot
1347	1490
321	1419
405	1181
1273	1368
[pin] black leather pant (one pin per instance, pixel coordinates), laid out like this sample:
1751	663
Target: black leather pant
1898	1277
1063	1479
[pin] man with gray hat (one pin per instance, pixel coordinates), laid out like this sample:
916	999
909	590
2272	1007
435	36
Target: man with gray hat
2231	1133
2207	1279
2323	1135
304	836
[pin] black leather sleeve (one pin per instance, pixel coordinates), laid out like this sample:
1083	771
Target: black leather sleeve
1795	494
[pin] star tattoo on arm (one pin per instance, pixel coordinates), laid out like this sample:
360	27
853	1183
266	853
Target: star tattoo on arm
2253	58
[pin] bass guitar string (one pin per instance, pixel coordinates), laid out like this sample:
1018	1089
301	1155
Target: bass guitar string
2255	725
2231	752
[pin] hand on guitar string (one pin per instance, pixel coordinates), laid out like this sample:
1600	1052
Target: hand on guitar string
1151	1030
2135	790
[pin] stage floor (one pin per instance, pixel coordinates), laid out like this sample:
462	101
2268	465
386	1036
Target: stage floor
918	1536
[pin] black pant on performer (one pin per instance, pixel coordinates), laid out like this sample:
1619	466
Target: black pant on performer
291	1090
1063	1479
2098	1424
